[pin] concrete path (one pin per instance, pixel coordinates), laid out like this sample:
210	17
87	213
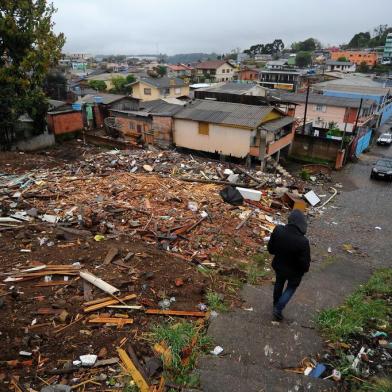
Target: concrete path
255	349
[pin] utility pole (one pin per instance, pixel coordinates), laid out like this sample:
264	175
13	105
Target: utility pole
356	120
306	106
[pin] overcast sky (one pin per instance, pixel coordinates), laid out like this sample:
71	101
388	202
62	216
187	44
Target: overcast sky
180	26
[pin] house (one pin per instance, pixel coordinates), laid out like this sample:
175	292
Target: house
152	123
96	107
330	134
341	66
214	71
238	130
235	92
277	64
179	70
150	89
360	88
325	112
356	56
387	53
284	79
249	74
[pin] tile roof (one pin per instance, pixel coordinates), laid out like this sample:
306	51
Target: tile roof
213	64
248	116
179	67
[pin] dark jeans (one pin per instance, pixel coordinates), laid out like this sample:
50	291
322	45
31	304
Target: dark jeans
281	298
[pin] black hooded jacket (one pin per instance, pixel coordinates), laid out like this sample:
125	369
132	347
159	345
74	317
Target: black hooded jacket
290	247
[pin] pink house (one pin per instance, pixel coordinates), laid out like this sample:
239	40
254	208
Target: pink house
324	111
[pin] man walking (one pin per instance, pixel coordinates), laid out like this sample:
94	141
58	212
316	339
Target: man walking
291	261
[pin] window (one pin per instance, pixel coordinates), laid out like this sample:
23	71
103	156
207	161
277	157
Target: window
139	128
166	91
147	91
131	126
177	90
223	70
204	128
320	108
227	70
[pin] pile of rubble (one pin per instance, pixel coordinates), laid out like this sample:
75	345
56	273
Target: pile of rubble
96	248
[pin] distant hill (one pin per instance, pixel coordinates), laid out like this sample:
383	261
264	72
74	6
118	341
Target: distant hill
190	57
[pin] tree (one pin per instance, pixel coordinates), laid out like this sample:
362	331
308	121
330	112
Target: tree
303	59
309	45
119	83
270	48
55	85
28	49
161	70
130	78
363	67
343	58
360	40
98	85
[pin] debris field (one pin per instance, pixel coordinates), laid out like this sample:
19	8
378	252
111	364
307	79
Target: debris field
99	245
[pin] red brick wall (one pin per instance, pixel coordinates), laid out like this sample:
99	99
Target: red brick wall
65	122
130	127
98	116
163	130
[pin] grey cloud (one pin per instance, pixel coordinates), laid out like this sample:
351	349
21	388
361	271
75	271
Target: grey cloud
174	26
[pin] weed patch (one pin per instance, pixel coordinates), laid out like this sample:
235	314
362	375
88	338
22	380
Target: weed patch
215	301
182	342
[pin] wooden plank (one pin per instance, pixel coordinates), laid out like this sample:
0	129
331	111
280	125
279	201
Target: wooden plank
108	302
112	253
111	320
176	313
53	283
135	374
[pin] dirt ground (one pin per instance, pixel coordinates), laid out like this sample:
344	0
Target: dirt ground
49	322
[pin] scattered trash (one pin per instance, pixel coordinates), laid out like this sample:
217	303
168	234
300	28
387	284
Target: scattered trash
378	228
217	350
318	371
88	359
312	198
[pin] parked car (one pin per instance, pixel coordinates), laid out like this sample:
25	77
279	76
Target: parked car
385	139
382	169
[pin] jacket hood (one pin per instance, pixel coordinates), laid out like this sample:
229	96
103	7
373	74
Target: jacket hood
297	219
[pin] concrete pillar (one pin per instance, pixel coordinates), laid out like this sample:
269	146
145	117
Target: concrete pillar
262	147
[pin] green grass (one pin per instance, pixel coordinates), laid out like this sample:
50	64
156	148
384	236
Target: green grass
177	337
215	301
304	174
360	308
377	385
257	268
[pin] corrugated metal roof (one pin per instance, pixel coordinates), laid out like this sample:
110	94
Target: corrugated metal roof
232	88
106	99
159	106
248	116
275	125
326	100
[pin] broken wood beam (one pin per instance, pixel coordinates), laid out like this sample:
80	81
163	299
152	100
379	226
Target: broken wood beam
217	182
111	320
176	313
103	304
134	372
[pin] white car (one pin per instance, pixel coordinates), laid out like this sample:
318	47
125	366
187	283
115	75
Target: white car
385	139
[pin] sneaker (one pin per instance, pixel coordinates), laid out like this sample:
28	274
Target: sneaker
277	315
